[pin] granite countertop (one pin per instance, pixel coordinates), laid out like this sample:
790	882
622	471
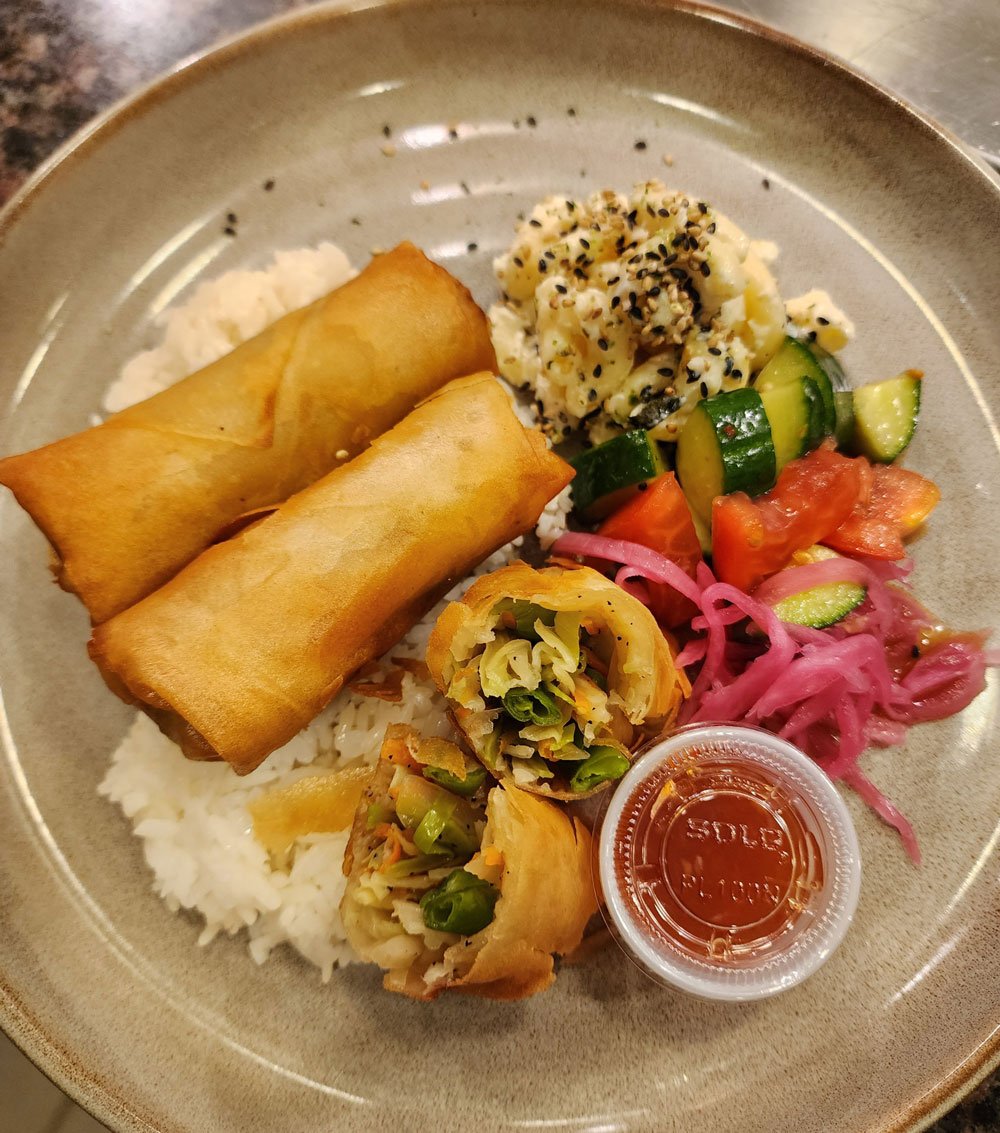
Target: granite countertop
62	61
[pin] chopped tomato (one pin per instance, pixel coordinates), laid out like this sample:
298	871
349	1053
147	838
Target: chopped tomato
659	518
894	505
753	538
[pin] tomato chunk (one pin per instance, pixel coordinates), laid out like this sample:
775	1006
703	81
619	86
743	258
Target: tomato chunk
896	503
659	518
753	538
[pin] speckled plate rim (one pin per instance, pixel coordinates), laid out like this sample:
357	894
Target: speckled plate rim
16	1019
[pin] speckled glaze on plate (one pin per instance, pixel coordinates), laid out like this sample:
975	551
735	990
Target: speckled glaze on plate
491	105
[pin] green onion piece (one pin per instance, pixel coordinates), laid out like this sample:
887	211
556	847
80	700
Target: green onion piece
440	831
406	867
378	813
474	779
603	763
463	903
490	751
532	706
597	677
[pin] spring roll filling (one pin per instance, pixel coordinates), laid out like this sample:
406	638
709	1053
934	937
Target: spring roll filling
534	698
428	882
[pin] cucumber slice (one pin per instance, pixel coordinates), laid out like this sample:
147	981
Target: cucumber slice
885	415
843	404
607	475
796	415
822	605
796	359
725	446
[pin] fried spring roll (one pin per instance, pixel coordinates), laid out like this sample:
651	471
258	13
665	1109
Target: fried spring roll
554	676
128	503
246	645
469	893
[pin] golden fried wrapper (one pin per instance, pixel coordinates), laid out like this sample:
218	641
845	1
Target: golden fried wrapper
620	647
128	503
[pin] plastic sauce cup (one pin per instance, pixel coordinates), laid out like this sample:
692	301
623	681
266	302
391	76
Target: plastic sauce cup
729	865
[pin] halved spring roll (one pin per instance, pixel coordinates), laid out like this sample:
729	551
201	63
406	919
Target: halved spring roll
554	676
472	892
246	645
128	503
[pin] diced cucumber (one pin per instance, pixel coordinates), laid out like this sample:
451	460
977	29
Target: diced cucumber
796	359
607	475
795	412
822	605
843	404
725	446
885	415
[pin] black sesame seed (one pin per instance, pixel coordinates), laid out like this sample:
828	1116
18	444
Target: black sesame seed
602	343
571	205
635	312
465	188
640	145
691	375
519	261
665	372
663	212
356	221
615	300
452	132
386	130
641	486
612	282
711	229
822	322
678	273
766	183
592	394
653	292
702	207
729	365
268	184
542	265
571	112
635	259
561	288
705	270
549	254
704	389
531	121
229	230
659	329
715	350
472	247
535	223
231	217
679	239
597	370
585	243
811	336
671	259
632	216
737	374
579	273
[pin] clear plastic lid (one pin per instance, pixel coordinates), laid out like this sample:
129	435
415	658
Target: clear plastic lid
728	862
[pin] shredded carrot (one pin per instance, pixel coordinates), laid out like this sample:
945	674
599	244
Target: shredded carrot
508	620
393	849
590	626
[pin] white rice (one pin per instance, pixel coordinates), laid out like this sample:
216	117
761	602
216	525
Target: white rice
193	818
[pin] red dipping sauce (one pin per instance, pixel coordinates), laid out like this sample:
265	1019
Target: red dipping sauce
728	862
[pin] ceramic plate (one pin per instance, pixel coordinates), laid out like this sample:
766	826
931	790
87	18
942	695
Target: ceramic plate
103	987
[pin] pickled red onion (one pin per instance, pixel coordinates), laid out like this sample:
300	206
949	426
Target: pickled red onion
834	691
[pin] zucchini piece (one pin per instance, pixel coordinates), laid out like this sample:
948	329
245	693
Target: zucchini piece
607	475
822	605
885	415
843	404
796	415
796	359
725	446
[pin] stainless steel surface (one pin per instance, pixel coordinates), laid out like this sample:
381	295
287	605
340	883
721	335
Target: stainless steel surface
942	57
